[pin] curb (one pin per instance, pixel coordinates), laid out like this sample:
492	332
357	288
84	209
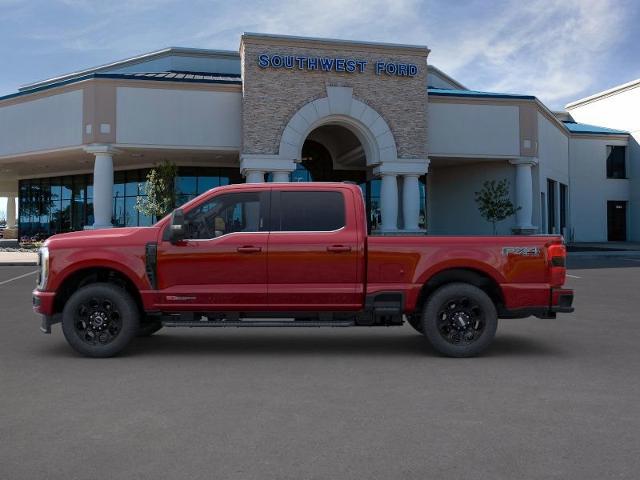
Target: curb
18	264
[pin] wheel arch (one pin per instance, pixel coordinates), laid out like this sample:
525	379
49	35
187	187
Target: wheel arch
83	276
472	276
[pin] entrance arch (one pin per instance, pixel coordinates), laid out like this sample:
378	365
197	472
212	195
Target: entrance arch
340	111
340	108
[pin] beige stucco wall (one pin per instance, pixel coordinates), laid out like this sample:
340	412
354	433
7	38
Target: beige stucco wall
272	96
458	129
184	117
50	122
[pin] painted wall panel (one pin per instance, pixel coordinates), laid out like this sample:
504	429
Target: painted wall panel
553	157
41	124
193	118
590	189
461	129
620	111
452	207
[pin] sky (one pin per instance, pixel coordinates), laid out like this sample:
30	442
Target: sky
558	50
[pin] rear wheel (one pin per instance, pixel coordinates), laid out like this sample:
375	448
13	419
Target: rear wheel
100	320
459	320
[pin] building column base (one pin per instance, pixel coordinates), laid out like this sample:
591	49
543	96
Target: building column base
10	233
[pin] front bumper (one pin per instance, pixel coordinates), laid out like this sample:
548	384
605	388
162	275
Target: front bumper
43	305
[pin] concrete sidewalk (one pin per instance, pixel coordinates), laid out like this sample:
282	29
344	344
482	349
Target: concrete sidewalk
18	258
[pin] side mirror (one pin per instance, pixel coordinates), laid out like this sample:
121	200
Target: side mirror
177	230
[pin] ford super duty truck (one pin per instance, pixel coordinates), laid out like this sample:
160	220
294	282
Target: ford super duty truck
291	255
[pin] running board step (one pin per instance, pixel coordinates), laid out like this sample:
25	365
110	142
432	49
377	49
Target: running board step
259	323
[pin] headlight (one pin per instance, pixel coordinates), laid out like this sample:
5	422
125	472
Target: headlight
43	261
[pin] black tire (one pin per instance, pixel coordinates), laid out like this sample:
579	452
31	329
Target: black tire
416	322
459	320
148	328
100	320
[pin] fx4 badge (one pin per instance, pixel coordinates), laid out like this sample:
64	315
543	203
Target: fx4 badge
521	251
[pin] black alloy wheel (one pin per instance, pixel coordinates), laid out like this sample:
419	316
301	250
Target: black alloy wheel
97	321
459	320
100	319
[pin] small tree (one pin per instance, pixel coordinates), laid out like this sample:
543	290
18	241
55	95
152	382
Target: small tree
494	203
160	191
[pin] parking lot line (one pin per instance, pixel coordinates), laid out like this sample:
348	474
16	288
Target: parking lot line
573	276
18	277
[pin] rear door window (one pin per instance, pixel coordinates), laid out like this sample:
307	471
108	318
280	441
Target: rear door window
305	211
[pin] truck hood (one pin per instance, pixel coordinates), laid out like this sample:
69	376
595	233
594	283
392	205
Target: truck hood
108	237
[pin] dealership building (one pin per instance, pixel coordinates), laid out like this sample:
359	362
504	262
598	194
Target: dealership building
75	149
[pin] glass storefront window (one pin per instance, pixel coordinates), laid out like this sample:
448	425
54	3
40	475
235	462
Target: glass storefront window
207	183
186	185
60	204
89	186
118	219
118	184
65	216
131	214
67	188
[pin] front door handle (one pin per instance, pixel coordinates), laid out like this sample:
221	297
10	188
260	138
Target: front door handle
249	249
339	248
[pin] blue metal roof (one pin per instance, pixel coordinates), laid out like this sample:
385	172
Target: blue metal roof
184	76
444	92
173	76
575	127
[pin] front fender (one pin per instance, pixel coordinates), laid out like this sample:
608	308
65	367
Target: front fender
125	261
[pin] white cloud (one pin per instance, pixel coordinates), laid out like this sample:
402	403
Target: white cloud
551	48
548	48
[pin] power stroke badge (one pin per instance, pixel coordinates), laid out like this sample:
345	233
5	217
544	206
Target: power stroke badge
521	251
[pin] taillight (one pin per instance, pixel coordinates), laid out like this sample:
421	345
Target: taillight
557	255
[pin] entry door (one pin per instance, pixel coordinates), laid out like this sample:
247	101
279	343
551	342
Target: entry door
617	221
222	263
314	257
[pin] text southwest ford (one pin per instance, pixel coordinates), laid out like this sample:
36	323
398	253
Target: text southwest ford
291	254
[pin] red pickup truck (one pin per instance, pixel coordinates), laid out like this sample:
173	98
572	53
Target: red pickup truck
294	255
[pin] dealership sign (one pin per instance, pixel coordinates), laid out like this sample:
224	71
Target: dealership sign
332	64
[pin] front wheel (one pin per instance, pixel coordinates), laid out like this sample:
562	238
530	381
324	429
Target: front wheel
459	320
100	320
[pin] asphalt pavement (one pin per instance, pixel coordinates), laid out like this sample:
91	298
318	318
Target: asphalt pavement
550	399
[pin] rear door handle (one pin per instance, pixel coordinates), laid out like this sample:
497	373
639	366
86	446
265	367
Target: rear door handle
249	249
339	248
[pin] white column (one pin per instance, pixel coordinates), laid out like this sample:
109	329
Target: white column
389	202
253	167
280	176
410	201
254	176
524	194
11	212
102	185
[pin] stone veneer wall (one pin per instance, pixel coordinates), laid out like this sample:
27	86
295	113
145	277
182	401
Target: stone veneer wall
271	96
